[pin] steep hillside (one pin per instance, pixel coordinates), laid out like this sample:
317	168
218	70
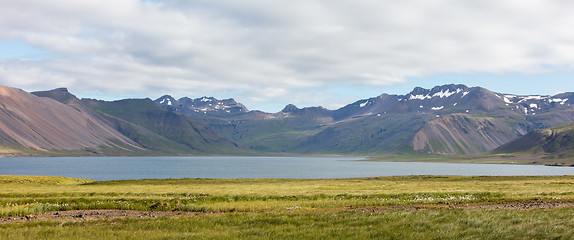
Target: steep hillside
554	142
43	124
464	134
156	130
149	142
182	131
449	119
371	135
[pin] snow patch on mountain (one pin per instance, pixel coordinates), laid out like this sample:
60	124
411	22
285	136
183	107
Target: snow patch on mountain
419	97
526	98
166	100
200	105
558	100
442	94
448	93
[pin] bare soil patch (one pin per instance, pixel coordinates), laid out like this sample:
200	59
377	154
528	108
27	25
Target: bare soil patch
93	215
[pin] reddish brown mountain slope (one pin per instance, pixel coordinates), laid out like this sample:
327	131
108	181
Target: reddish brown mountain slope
46	124
464	134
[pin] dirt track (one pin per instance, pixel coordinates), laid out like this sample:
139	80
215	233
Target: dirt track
91	215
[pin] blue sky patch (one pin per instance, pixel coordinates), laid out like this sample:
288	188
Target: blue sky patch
19	50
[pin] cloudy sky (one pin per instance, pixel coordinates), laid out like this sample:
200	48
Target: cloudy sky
267	53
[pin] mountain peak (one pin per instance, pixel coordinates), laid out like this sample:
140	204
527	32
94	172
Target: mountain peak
444	91
290	108
62	89
166	100
201	105
59	94
444	88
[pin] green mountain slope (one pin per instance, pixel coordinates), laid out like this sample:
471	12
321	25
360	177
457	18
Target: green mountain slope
187	136
149	143
555	142
367	135
449	119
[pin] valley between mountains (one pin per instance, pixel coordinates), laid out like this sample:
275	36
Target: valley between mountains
449	120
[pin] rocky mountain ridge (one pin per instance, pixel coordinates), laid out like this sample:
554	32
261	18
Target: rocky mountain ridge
201	105
449	119
440	99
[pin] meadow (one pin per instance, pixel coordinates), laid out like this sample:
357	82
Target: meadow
407	207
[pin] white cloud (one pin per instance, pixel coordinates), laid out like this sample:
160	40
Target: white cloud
260	49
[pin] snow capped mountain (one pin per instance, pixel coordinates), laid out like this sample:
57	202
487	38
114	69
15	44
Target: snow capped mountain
439	100
452	99
439	91
448	119
530	105
201	105
166	101
447	98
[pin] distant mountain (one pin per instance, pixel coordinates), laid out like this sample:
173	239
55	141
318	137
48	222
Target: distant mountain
32	124
201	105
554	142
449	119
451	99
465	134
440	99
154	129
185	134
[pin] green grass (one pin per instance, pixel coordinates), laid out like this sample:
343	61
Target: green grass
396	224
409	207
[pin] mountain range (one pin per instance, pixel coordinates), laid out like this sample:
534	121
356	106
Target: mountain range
449	119
445	120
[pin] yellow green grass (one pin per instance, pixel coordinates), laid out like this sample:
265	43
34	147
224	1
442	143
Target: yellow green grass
411	207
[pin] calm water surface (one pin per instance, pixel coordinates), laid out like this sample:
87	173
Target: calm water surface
118	168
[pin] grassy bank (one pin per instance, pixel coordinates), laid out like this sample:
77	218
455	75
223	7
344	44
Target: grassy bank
389	207
541	159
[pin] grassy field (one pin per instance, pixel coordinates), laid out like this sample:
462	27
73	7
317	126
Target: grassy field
410	207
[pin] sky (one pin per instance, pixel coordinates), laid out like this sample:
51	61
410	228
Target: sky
267	54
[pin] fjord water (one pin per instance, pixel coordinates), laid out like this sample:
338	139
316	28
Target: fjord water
120	168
